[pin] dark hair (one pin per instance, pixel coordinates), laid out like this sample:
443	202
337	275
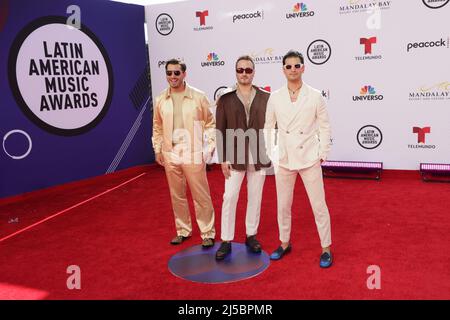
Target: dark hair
293	54
176	62
246	57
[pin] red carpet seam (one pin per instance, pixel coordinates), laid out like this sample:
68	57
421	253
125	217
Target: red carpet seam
70	208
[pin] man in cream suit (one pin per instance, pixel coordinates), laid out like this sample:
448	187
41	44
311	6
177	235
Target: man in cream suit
302	144
181	120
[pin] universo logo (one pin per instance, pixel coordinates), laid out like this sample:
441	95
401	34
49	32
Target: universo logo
213	60
368	93
300	10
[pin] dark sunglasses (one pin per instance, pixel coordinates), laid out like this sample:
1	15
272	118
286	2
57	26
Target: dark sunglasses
247	70
289	67
176	72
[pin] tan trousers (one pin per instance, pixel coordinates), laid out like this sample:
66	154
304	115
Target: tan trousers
313	182
178	174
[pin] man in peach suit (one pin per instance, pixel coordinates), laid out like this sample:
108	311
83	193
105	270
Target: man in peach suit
181	120
303	142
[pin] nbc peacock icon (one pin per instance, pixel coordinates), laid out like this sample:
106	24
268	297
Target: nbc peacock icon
300	7
367	90
213	60
213	57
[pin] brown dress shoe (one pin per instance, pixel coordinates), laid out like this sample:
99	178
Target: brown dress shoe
178	240
207	242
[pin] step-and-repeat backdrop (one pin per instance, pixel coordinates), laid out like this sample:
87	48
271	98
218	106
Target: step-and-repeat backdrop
74	91
383	66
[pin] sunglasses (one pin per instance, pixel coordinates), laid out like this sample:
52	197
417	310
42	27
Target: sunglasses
246	70
289	67
176	72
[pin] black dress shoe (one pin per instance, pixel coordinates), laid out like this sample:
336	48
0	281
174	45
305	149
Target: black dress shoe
224	250
253	244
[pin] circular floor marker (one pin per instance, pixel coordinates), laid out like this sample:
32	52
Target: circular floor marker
200	265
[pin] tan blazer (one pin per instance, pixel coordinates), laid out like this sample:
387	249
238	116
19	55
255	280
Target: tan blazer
197	119
303	135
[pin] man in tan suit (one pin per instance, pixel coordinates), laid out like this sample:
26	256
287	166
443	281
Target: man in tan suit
303	142
181	119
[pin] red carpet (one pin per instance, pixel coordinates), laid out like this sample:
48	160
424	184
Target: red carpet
120	241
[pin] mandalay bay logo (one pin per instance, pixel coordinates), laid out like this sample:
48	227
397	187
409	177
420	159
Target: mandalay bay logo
266	56
438	91
361	6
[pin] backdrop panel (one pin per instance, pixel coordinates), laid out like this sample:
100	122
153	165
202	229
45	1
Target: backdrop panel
74	99
383	66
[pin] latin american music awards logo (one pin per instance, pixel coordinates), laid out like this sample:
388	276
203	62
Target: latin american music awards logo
369	137
60	76
319	52
220	91
435	4
164	24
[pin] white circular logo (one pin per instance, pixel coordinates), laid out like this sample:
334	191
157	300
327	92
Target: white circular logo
319	52
369	137
61	76
219	92
435	4
164	24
